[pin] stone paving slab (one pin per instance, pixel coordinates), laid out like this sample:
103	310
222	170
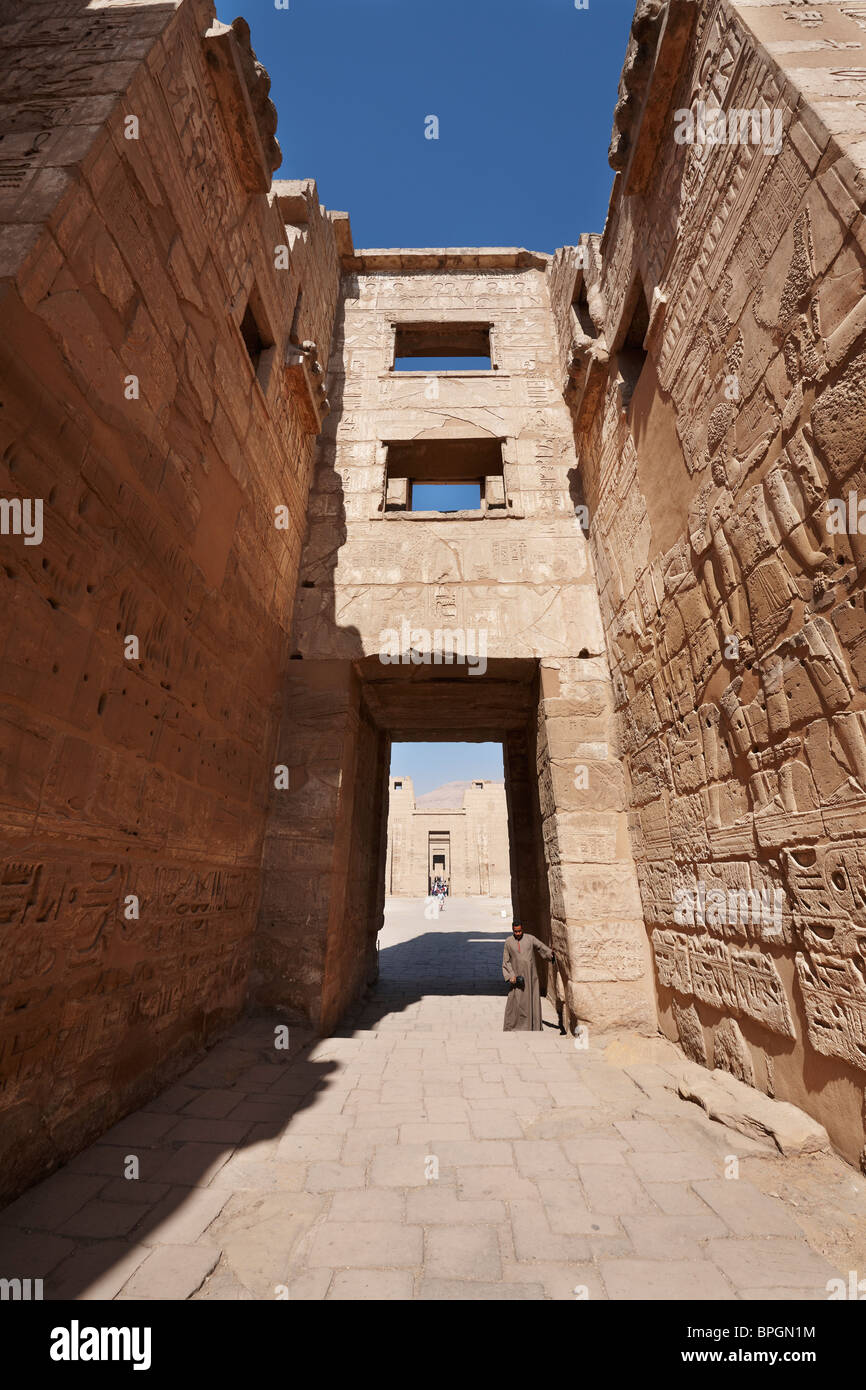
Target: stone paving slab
171	1272
422	1153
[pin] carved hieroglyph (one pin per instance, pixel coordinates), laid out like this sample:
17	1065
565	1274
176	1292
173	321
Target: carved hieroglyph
674	635
733	608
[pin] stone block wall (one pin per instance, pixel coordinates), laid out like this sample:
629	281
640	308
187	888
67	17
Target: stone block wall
595	908
129	253
713	351
195	713
517	575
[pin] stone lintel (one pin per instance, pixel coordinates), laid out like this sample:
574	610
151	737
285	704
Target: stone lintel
342	233
296	199
396	259
586	379
305	378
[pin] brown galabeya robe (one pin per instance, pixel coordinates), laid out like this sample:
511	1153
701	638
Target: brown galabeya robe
523	1009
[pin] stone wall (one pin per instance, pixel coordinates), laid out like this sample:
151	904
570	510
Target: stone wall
223	624
132	408
715	363
379	582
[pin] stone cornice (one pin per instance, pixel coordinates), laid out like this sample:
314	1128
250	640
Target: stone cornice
659	38
366	262
242	86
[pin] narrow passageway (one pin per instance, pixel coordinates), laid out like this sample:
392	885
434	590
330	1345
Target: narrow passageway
422	1153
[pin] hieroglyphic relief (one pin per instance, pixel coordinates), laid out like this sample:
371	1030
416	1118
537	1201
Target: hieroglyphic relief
737	634
834	995
735	981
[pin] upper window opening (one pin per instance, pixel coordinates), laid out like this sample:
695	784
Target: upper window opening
254	330
296	320
581	311
442	347
442	364
637	329
252	336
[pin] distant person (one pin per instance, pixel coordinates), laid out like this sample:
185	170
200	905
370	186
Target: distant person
523	1008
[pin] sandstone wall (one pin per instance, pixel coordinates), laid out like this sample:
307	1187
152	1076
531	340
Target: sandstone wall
518	575
735	619
135	258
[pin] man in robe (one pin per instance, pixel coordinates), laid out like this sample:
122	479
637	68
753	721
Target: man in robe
523	1009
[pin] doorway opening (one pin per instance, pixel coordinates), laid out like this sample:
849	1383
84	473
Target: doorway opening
448	885
438	858
448	821
331	866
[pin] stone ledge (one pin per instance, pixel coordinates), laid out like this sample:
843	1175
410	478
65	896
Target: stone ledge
306	382
445	258
297	200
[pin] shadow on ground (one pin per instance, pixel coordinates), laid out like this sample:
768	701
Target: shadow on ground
438	963
88	1228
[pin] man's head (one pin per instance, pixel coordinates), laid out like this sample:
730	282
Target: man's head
517	929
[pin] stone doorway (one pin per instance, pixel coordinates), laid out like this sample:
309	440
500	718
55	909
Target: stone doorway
439	857
325	863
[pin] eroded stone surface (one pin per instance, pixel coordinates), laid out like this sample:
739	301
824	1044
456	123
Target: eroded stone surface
741	1107
132	407
712	350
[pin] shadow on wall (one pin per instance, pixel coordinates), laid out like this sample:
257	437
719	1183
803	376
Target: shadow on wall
316	625
328	749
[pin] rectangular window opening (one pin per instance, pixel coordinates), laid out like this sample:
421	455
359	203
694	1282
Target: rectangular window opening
258	339
442	347
580	306
253	340
446	497
445	475
296	320
442	364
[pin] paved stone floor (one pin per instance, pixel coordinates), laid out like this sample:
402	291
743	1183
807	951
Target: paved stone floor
423	1153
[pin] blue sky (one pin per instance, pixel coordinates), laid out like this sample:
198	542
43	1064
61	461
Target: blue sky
431	765
524	91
